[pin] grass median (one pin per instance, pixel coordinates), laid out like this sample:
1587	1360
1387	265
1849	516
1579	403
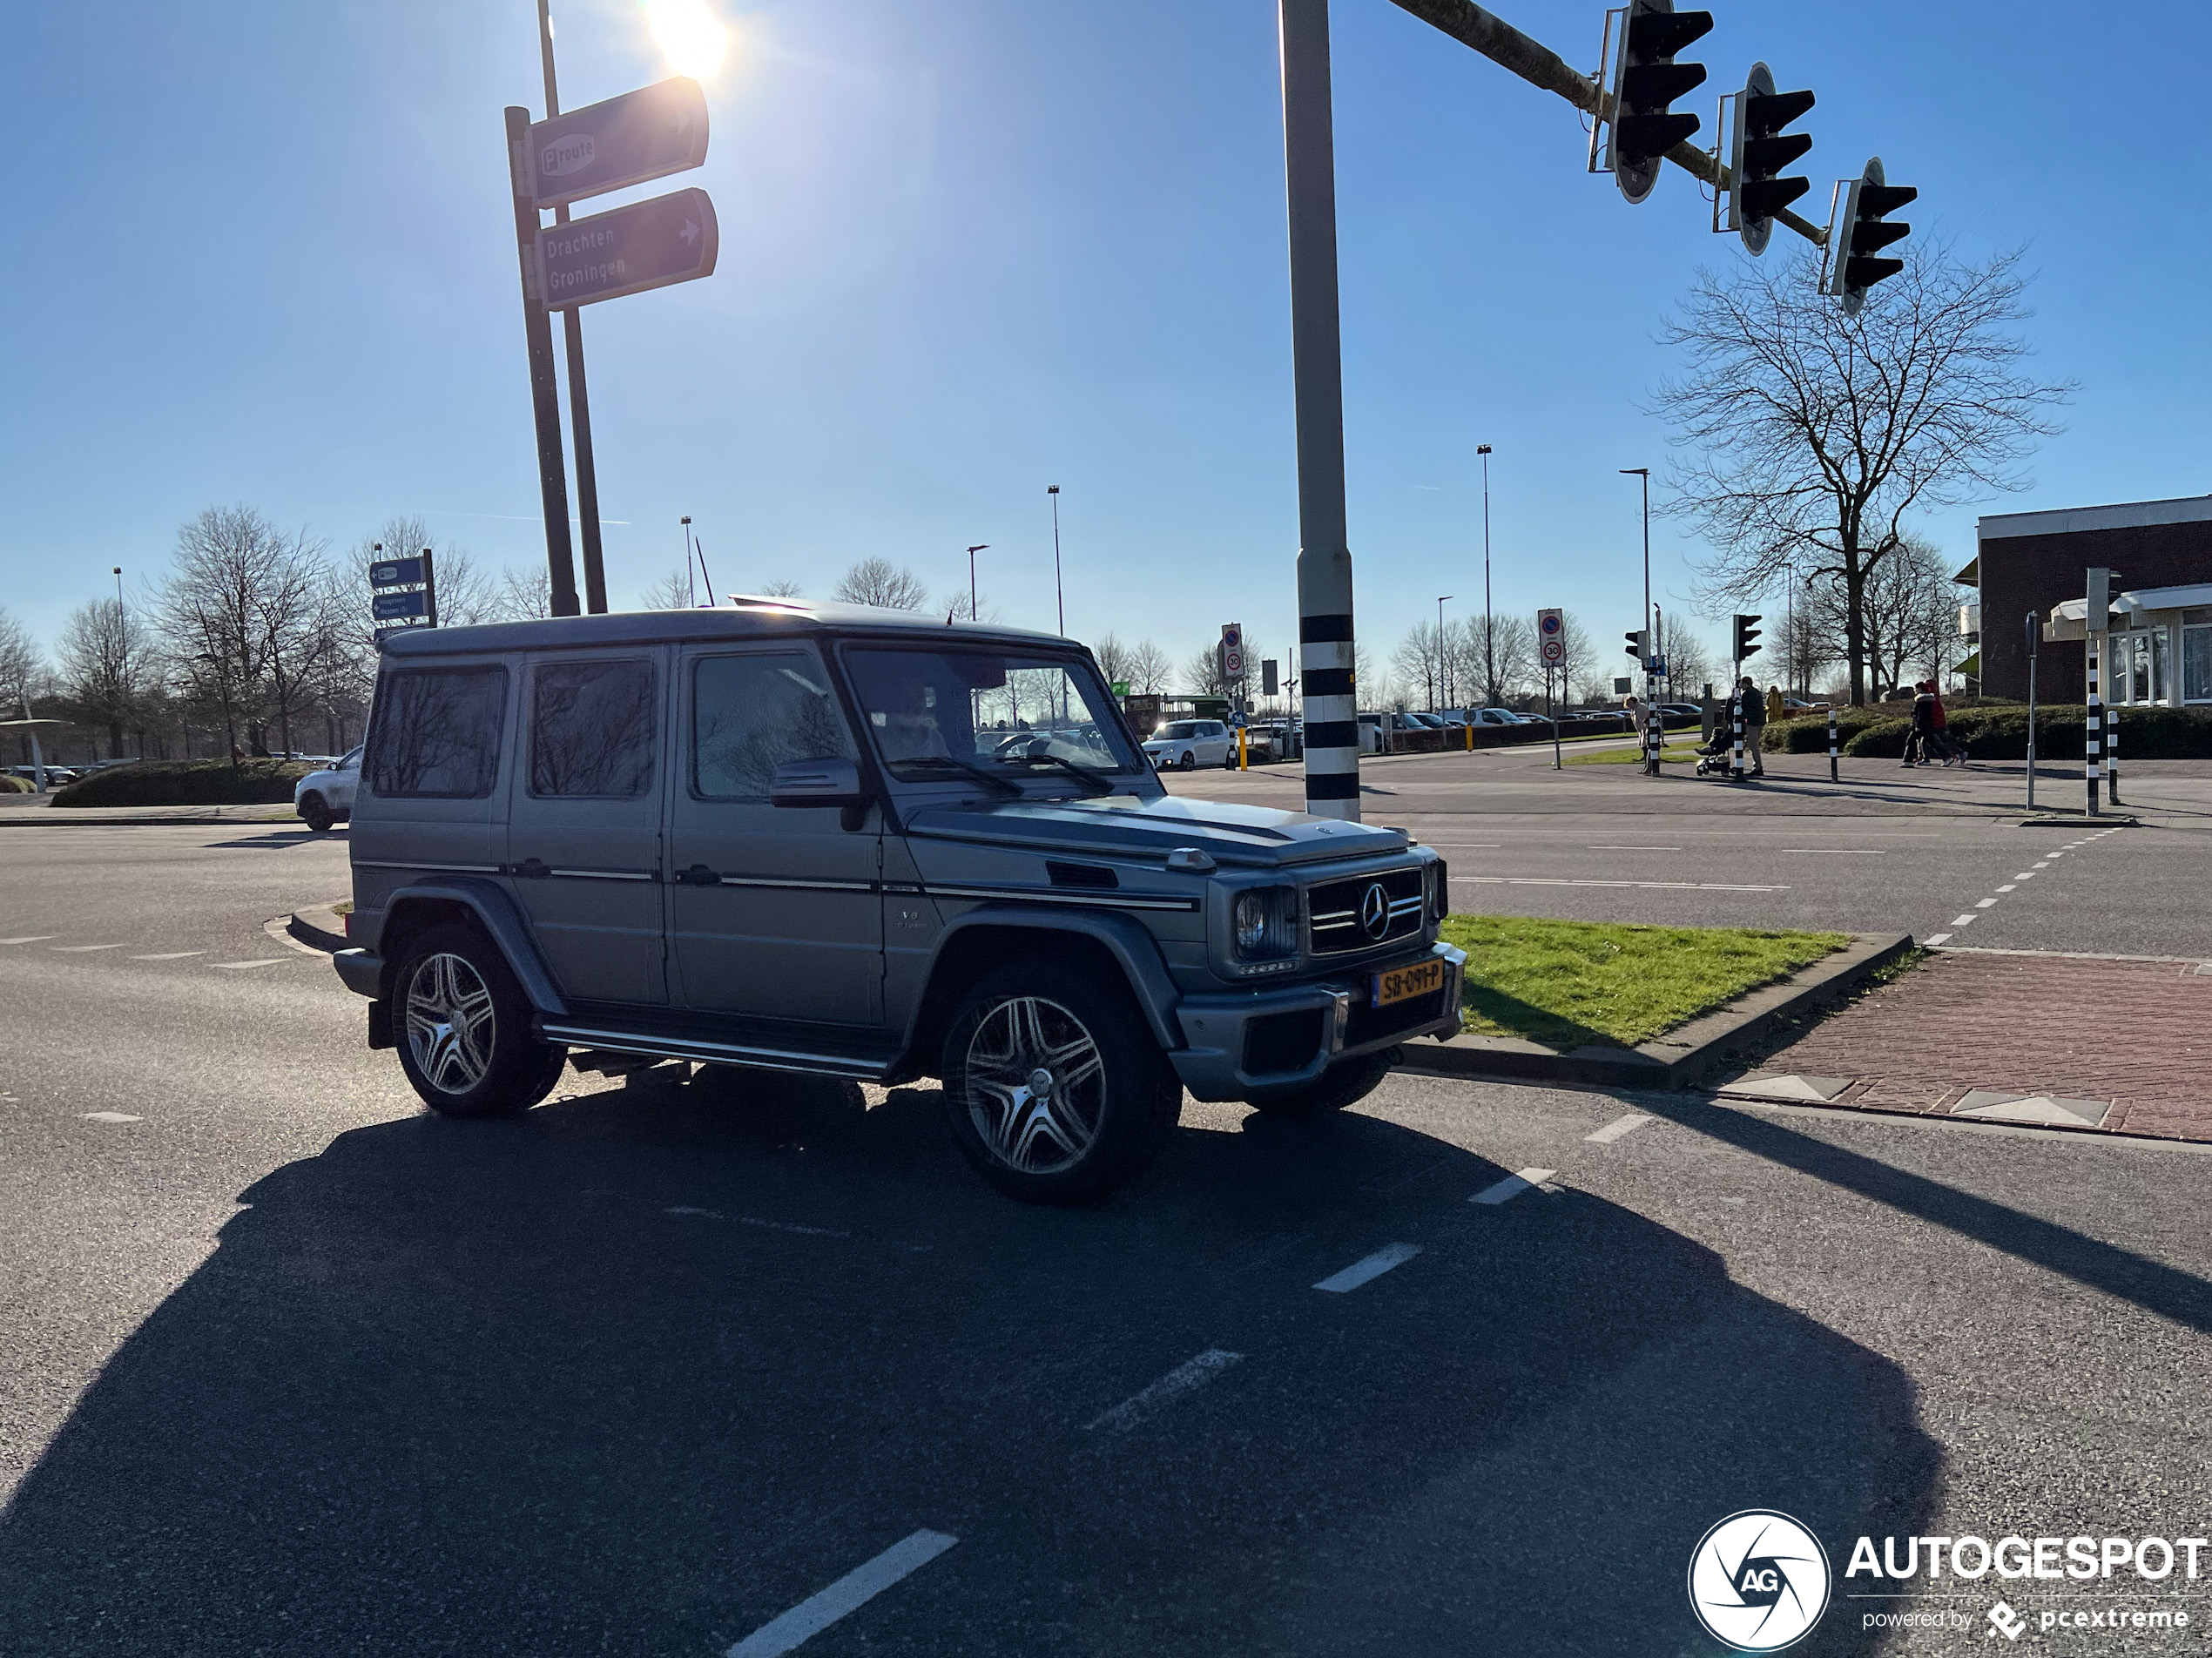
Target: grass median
1631	757
1568	983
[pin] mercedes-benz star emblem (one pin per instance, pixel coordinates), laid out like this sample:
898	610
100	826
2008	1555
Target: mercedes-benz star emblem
1375	911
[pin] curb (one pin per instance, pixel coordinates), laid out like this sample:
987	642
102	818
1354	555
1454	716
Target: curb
1679	1059
319	928
63	815
2103	820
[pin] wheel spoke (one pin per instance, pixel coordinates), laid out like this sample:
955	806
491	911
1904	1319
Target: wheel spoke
1034	1082
451	1023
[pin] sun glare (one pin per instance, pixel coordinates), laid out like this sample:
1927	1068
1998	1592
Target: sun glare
690	37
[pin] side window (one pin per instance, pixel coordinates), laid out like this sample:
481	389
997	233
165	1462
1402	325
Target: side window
751	713
591	729
436	732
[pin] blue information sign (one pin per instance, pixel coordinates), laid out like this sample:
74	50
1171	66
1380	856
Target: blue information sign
647	244
389	607
396	572
649	133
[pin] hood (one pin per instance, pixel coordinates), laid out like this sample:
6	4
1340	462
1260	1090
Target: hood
1110	823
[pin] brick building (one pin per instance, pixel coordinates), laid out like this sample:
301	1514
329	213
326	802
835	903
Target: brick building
2037	561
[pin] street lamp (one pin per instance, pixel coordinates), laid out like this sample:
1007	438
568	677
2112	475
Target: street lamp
691	591
1058	596
1490	631
1651	640
980	547
1441	659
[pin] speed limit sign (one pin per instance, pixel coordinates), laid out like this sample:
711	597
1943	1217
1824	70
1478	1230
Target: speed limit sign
1551	630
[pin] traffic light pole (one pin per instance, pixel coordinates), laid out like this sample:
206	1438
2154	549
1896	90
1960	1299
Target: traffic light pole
545	398
1317	364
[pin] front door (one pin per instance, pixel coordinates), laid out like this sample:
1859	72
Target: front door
775	911
584	821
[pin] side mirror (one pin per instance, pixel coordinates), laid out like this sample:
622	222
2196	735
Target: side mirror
835	782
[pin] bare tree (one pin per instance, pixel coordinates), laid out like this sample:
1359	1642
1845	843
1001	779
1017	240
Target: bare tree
1811	435
1912	614
1113	659
1690	665
524	595
781	589
1497	666
964	607
107	668
215	615
1418	667
1148	668
20	664
1202	673
671	592
878	582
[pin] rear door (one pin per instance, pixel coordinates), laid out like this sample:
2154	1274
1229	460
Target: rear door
584	820
774	911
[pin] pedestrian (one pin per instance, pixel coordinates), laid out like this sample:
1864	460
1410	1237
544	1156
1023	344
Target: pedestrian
1754	708
1939	730
238	755
1777	711
1915	745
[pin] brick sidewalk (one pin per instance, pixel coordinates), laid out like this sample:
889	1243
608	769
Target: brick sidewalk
2122	1046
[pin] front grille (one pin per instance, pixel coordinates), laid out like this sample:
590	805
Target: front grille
1338	908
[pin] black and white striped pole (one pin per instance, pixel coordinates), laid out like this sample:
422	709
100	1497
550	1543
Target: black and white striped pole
1317	367
1736	727
2112	753
2093	618
1833	777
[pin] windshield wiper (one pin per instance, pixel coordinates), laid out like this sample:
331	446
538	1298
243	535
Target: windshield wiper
997	785
1097	780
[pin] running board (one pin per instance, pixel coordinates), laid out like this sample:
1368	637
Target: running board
765	1059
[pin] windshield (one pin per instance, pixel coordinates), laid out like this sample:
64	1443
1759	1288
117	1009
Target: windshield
933	712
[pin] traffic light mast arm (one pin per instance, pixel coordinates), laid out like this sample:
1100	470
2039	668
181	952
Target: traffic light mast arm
1540	66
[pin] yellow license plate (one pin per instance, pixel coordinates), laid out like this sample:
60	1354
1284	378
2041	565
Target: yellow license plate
1402	984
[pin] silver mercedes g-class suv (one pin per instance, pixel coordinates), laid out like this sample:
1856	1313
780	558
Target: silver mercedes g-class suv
862	843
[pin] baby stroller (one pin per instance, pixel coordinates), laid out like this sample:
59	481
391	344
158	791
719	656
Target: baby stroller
1714	759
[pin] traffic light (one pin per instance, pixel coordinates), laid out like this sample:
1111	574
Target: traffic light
1646	79
1859	233
1747	636
1758	149
1639	645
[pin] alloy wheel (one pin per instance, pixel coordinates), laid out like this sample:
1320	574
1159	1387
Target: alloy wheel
450	1023
1035	1085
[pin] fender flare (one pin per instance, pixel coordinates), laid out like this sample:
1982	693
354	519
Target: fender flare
503	923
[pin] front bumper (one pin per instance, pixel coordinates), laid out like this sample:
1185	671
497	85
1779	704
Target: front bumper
1280	1038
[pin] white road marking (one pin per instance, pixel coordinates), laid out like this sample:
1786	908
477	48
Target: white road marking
750	1220
236	966
1369	1267
83	949
2008	886
1513	1186
31	938
2046	864
1838	852
1936	938
1984	903
110	1116
1532	880
1632	849
173	955
1962	920
850	1592
2025	874
1192	1374
1618	1126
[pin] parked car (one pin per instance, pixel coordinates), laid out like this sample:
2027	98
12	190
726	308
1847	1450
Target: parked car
1182	743
774	836
322	798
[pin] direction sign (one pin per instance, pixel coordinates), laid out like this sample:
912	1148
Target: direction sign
649	133
396	572
647	244
389	607
1551	629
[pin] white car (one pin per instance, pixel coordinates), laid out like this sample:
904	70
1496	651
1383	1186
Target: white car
1183	744
322	798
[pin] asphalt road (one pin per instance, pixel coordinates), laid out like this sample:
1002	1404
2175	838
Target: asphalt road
1888	851
288	1366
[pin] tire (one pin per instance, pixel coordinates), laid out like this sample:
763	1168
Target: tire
315	813
1190	760
1122	1097
1229	758
490	1067
1345	1083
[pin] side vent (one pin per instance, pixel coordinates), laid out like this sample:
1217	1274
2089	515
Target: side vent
1095	876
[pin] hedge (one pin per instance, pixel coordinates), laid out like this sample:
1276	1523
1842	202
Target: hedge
16	785
2000	732
187	782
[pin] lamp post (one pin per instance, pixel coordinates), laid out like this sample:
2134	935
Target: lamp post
1489	630
1443	692
980	547
1651	639
1059	594
691	591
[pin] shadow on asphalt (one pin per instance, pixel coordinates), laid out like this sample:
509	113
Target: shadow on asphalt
641	1370
277	841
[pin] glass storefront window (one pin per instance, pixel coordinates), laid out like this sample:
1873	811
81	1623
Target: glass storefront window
2196	665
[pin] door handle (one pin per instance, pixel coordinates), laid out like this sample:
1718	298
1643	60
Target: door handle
533	869
700	875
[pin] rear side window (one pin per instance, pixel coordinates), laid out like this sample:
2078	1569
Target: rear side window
591	730
751	713
436	732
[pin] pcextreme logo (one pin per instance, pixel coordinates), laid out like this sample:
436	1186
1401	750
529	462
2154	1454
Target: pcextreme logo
1758	1580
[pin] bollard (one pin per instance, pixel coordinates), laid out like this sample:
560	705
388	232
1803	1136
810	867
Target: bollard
1244	757
2112	753
1833	777
2092	728
1736	727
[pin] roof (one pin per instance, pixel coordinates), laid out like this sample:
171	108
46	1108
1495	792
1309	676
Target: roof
745	618
2127	514
2142	599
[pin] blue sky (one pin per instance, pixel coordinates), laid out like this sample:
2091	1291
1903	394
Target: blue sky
261	253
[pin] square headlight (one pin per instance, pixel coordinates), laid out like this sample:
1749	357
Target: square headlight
1262	920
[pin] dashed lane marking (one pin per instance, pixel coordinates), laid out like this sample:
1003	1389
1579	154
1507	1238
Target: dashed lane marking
1534	880
1184	1377
240	967
31	938
1513	1186
1937	937
169	956
1615	1129
754	1220
83	949
112	1116
1984	903
1962	920
1368	1268
1838	852
1632	849
855	1589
